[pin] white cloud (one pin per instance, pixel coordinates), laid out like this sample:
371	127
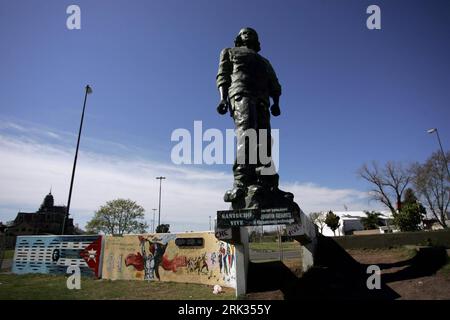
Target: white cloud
313	198
29	167
11	125
53	135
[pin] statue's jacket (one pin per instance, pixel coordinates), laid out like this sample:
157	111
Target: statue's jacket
246	73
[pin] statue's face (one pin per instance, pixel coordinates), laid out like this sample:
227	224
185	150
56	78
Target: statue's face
248	35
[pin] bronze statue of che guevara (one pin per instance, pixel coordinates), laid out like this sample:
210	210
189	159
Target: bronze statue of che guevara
246	82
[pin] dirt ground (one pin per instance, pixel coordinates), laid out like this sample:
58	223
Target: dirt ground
406	274
430	287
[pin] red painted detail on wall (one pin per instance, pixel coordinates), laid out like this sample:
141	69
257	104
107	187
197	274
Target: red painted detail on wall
172	265
91	254
135	260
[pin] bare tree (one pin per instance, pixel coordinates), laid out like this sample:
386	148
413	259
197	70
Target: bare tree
318	218
388	183
432	183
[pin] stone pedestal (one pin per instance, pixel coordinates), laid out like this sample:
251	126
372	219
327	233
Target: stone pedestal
242	261
302	229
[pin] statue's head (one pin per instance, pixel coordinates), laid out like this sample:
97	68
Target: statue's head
249	38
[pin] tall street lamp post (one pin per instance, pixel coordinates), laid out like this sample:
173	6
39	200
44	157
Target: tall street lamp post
153	221
444	158
88	90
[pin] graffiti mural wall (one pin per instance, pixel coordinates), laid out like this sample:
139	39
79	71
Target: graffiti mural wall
53	254
183	257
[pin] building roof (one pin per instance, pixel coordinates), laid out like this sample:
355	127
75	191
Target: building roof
348	215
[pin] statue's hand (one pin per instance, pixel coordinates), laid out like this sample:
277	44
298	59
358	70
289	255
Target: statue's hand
275	110
222	108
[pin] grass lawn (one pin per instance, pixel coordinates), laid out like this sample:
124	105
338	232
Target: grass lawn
274	246
446	268
52	287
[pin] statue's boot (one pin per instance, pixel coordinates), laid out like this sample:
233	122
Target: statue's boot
270	182
285	194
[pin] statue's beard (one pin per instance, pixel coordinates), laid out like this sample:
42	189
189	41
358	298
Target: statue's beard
249	44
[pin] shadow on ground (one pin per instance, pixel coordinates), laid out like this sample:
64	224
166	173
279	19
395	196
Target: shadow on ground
339	276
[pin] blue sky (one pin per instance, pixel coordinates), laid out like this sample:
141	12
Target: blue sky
350	95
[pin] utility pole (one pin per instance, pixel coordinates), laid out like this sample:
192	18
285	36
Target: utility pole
66	217
153	221
159	212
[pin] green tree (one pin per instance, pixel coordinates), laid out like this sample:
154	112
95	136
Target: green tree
332	221
411	214
410	217
118	217
372	221
163	228
409	197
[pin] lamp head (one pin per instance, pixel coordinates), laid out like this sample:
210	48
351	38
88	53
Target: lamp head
431	130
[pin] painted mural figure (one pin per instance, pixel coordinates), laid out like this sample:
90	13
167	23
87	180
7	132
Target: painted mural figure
213	258
227	260
153	258
159	250
204	263
149	262
229	256
233	256
224	258
55	255
221	254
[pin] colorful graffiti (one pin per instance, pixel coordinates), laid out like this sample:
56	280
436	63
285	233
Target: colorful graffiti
151	255
226	257
157	257
53	254
197	264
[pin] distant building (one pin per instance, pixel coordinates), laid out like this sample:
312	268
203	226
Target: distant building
433	223
48	219
350	223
